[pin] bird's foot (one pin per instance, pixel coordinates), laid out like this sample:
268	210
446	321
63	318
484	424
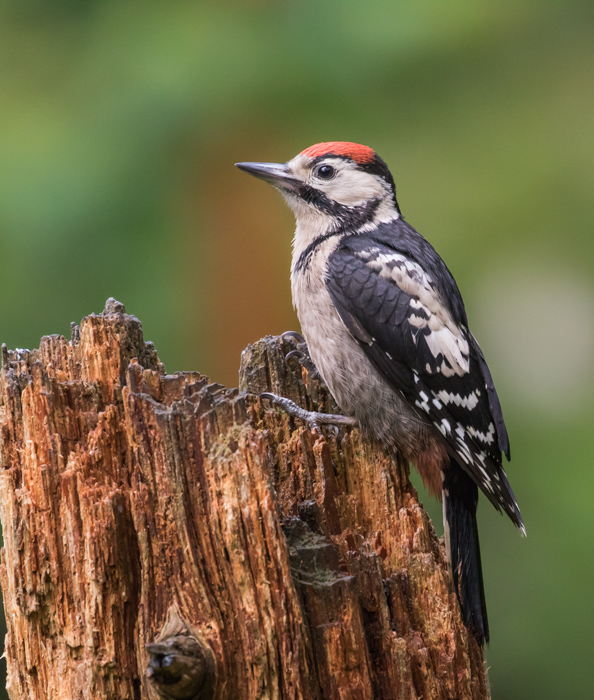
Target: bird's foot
312	418
301	353
297	337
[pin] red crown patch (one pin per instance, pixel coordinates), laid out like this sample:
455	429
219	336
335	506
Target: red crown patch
358	153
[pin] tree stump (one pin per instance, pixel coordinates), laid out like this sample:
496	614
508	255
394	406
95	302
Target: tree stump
165	537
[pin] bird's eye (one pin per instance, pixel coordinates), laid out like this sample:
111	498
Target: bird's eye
325	172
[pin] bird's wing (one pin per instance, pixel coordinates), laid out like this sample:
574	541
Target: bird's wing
391	305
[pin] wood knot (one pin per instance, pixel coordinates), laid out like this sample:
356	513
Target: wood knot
181	665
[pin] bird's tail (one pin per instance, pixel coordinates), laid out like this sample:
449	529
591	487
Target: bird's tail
460	498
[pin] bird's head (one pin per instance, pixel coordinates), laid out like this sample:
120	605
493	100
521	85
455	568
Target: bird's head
345	185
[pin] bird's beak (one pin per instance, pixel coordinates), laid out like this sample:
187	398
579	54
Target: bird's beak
277	174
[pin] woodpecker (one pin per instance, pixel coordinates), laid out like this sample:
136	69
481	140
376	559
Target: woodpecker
386	328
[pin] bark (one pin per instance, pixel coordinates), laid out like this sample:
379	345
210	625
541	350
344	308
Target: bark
168	537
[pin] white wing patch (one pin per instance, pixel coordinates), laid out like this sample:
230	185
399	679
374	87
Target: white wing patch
453	348
488	437
469	402
461	446
444	338
424	402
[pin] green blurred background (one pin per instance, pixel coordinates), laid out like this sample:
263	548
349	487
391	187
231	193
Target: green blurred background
119	126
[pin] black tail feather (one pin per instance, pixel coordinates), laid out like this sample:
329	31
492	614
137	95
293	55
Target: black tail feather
460	498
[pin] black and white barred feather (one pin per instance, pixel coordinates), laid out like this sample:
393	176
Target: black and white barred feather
399	300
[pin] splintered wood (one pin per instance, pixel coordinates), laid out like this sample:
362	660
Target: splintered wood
254	558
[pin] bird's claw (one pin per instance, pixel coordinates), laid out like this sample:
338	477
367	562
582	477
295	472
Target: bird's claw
294	353
297	337
312	418
301	353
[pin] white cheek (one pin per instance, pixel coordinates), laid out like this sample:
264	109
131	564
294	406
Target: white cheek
353	188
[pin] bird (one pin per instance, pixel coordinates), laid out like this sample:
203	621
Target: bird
385	326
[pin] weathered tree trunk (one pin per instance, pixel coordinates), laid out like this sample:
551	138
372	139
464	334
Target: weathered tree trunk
167	537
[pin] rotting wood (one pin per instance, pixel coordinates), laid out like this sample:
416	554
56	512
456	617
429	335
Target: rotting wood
301	566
